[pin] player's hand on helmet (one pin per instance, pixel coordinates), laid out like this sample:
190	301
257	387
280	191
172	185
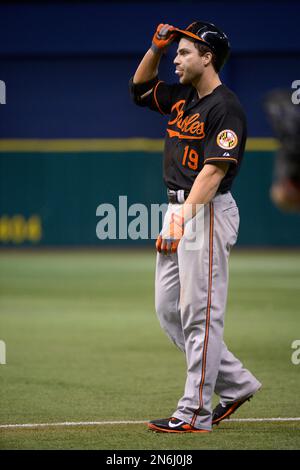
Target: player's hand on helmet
168	240
163	37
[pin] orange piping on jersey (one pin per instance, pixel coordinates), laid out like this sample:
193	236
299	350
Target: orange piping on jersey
221	159
155	98
207	325
181	136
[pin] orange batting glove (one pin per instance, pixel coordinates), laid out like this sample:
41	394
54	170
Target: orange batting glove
167	242
163	37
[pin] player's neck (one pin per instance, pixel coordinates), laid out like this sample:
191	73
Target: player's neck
207	83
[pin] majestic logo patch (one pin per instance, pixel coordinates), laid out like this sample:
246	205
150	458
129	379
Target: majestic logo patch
227	139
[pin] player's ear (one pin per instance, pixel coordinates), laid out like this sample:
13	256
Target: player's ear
207	58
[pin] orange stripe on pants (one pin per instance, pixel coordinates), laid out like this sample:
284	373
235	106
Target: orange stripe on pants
211	239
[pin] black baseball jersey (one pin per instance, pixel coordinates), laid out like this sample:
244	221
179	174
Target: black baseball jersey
199	131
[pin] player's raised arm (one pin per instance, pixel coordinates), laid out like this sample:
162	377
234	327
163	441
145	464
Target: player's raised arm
148	68
145	77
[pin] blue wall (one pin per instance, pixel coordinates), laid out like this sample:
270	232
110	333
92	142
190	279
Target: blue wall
67	67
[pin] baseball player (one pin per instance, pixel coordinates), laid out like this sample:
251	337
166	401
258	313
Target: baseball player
284	116
204	146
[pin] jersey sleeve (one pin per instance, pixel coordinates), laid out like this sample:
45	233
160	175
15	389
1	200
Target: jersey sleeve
157	96
225	135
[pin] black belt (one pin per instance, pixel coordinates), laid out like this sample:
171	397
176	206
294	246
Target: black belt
179	196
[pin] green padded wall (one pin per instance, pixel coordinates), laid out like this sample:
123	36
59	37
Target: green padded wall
50	199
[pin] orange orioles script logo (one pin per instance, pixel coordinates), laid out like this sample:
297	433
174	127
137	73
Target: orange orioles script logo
227	139
189	128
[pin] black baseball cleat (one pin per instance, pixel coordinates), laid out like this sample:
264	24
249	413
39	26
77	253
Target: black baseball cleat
223	412
173	425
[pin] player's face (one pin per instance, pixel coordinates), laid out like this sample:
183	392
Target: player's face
189	64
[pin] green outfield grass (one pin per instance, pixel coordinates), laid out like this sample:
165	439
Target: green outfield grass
83	344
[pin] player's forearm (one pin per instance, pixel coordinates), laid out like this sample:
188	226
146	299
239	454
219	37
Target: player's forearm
204	189
148	68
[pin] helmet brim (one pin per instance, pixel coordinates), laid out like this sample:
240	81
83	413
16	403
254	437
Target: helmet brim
182	32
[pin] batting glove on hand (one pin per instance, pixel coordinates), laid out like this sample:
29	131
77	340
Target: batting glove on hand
163	37
168	241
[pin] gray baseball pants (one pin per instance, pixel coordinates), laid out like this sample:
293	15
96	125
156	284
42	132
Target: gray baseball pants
190	299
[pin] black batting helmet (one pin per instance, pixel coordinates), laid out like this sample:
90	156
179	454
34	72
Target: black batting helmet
210	36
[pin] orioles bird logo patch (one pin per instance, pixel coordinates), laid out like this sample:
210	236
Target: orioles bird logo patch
227	139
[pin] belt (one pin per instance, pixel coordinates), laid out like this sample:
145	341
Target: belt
179	196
